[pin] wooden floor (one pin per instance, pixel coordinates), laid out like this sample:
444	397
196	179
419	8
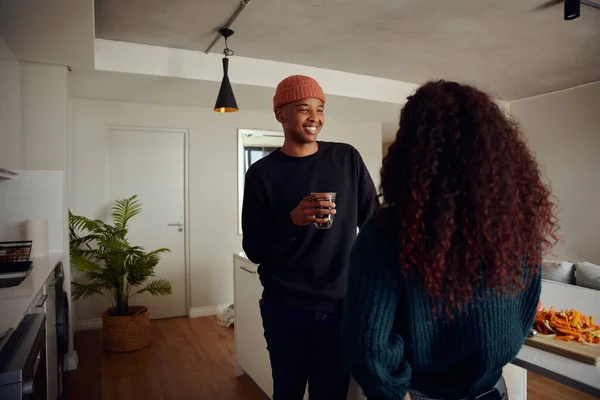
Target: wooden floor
189	358
192	358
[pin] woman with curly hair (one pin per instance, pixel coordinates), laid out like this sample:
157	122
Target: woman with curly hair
445	278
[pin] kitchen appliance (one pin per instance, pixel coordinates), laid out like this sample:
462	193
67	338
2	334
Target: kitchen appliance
62	323
23	361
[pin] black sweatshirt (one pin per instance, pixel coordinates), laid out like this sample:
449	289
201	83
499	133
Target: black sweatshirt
305	267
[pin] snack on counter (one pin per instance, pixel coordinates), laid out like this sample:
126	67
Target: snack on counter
567	325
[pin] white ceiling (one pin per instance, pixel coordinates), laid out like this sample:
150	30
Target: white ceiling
52	32
187	92
504	46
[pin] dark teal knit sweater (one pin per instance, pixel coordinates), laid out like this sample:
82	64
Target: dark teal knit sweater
392	340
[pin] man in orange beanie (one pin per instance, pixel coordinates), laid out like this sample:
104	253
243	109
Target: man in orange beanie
290	199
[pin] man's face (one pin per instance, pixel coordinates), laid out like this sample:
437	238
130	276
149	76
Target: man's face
302	120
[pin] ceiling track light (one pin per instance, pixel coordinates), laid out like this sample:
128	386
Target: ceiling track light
238	11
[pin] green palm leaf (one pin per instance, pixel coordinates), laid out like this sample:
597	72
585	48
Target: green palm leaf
159	251
79	223
156	288
82	291
79	242
124	210
89	253
83	264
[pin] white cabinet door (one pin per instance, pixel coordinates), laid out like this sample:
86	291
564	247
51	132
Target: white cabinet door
251	348
10	111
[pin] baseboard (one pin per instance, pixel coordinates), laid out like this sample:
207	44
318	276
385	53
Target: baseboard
71	361
194	312
197	312
88	324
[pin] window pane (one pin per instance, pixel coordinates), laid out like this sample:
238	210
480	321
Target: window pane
253	154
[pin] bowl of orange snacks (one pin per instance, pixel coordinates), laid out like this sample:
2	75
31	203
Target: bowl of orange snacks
568	325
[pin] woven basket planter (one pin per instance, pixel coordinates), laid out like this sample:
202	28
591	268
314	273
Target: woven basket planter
126	333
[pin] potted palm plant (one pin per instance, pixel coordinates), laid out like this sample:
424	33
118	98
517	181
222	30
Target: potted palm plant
117	270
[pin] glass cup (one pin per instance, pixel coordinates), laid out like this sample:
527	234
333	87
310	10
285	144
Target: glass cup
326	225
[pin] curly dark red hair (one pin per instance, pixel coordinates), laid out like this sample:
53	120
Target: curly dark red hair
464	195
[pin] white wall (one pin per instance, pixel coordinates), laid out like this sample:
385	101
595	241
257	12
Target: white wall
563	129
44	110
10	109
212	170
384	148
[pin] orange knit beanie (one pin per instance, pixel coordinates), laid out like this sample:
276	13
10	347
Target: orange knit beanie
297	87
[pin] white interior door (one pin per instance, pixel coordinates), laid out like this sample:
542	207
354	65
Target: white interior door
151	164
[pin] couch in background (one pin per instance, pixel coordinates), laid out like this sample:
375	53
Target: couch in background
582	274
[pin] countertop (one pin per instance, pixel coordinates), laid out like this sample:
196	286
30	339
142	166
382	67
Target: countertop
15	301
242	256
251	267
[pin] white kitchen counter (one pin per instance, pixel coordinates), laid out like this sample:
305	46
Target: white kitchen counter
15	301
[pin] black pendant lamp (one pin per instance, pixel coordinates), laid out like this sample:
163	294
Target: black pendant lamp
571	9
226	100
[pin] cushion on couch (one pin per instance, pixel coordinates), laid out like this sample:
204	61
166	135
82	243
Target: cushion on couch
587	275
559	271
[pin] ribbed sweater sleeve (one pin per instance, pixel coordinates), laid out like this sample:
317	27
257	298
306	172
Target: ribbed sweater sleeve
266	233
374	352
531	296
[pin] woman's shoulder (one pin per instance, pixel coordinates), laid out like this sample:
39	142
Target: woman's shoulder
376	234
381	223
371	229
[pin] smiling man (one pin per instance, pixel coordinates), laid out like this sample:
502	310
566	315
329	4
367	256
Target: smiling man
304	269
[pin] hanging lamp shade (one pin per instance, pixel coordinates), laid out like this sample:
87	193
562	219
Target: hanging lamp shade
572	9
226	100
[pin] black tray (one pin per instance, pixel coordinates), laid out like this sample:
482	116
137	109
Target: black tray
11	282
12	267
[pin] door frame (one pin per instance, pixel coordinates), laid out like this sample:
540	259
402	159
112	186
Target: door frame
186	193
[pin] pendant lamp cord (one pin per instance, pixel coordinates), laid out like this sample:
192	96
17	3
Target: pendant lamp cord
227	52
